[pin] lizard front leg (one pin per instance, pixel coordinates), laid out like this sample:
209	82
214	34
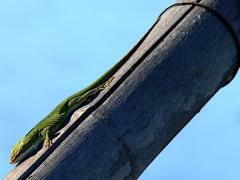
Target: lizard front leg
45	134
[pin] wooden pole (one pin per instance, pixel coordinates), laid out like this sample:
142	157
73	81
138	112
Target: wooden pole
128	124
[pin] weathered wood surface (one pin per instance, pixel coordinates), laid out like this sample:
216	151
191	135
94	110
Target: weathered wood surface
139	116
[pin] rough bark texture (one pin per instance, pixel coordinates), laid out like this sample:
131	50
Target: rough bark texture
136	120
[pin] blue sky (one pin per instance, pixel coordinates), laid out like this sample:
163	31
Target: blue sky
51	49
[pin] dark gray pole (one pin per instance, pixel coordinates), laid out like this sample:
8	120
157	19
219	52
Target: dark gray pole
126	127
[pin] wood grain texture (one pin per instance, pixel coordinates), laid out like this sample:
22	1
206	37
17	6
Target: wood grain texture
140	115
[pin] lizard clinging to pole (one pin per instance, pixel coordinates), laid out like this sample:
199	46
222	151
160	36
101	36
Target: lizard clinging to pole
42	133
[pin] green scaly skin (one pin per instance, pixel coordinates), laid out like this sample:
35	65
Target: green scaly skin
42	133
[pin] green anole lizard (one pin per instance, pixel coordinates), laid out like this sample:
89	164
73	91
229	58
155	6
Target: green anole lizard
42	133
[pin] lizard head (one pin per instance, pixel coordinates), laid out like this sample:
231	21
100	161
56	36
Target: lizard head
24	147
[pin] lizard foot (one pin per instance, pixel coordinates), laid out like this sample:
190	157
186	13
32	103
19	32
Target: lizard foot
47	143
109	81
106	84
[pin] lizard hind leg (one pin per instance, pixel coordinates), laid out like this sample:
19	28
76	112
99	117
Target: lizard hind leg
81	100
